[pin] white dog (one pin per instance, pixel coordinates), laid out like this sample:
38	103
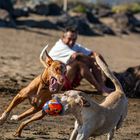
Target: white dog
93	119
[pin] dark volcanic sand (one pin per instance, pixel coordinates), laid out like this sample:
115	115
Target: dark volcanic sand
19	64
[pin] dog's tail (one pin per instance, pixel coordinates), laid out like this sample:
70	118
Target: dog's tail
109	74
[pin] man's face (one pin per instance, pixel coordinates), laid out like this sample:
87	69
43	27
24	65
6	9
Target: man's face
69	38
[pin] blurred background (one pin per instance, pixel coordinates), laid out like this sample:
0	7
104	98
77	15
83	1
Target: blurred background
91	17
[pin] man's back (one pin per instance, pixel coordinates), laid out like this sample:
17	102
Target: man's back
61	52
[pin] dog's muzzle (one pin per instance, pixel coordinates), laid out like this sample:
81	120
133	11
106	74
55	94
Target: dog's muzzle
53	85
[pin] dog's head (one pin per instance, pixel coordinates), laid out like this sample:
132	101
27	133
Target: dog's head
134	71
54	73
129	80
72	101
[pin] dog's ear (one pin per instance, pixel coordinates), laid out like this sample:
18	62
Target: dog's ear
130	70
83	102
48	61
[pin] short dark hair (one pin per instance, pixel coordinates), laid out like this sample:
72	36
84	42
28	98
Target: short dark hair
71	29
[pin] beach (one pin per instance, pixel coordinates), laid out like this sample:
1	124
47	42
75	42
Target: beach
19	64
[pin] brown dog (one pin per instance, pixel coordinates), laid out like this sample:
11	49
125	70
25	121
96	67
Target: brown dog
40	89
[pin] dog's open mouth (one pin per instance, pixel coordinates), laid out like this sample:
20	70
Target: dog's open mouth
53	85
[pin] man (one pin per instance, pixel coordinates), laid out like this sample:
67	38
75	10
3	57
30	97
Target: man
80	61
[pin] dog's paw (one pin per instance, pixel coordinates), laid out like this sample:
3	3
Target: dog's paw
17	134
14	117
3	118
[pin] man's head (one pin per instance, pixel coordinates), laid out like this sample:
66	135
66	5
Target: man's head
70	36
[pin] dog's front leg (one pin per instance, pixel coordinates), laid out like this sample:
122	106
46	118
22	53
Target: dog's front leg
39	115
81	136
74	132
29	112
110	134
35	100
84	132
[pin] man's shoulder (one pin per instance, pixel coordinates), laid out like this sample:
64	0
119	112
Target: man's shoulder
59	42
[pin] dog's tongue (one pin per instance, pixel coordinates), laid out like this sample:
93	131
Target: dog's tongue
53	85
53	81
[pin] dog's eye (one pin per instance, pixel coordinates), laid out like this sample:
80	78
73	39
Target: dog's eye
61	69
57	69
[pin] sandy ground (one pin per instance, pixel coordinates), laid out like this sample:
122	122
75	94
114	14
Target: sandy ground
19	64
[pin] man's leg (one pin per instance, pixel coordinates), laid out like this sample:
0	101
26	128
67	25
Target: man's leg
87	74
84	71
99	75
96	71
72	69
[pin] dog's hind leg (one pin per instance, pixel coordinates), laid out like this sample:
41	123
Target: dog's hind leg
39	115
29	112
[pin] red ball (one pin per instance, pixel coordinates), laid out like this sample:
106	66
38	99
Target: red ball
52	107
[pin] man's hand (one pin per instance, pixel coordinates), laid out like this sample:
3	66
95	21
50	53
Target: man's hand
73	56
76	56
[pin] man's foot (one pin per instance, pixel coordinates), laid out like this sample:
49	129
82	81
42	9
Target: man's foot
105	94
106	91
